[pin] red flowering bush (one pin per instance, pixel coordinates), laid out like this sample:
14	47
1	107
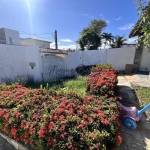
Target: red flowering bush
102	80
51	120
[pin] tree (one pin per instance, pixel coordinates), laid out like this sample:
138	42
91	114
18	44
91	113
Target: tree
118	41
107	38
80	41
91	40
90	35
95	26
143	25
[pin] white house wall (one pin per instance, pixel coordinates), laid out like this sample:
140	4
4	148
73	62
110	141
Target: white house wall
12	34
14	62
34	42
145	60
34	57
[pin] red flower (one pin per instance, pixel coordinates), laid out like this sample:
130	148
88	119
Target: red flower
80	126
35	116
2	112
92	135
31	141
85	116
13	130
119	139
70	146
61	118
7	116
42	131
81	108
96	110
62	128
85	122
105	122
17	114
44	104
51	126
62	105
61	110
5	129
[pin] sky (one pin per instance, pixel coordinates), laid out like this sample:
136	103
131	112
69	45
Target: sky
40	18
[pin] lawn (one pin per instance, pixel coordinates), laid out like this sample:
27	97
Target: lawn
66	85
143	95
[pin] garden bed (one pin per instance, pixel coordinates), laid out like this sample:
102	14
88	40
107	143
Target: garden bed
65	119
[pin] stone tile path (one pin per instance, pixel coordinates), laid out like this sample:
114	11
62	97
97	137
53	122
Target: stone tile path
138	139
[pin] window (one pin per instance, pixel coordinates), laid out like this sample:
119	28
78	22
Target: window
10	40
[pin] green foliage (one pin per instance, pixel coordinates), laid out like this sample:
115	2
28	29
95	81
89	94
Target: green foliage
90	35
143	94
78	85
118	41
108	38
143	24
91	38
95	26
47	119
80	41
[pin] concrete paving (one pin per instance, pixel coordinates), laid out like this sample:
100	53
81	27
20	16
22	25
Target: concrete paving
4	145
138	139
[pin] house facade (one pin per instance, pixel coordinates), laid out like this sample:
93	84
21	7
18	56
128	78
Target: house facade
35	42
9	36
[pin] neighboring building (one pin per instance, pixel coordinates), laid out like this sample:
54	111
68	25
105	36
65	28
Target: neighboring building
9	36
35	42
128	45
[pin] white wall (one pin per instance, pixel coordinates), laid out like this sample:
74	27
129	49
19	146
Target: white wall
33	55
86	58
12	34
119	57
145	60
53	66
14	61
35	42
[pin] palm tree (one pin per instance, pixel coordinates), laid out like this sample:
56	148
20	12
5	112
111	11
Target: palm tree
108	38
118	41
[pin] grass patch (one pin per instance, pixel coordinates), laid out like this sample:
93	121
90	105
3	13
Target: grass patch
67	84
77	85
143	94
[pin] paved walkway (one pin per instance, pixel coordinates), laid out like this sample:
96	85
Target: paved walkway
138	139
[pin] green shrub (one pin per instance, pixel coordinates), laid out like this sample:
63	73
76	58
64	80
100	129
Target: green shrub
52	120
